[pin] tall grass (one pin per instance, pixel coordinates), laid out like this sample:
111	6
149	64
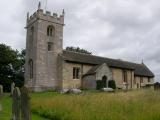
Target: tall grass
137	105
6	113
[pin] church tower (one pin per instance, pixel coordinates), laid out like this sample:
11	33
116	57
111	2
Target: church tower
44	42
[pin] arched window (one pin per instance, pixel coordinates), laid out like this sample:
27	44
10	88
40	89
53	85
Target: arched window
31	68
50	31
32	33
125	76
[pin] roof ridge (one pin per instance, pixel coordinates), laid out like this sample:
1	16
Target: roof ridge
102	57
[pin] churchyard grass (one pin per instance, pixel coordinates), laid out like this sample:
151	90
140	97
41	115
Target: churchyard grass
132	105
6	112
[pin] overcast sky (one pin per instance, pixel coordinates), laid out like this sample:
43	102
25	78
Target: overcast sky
120	29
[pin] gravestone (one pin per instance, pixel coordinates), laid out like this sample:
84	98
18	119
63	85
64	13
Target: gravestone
16	104
75	91
107	89
25	104
0	107
12	88
1	89
1	95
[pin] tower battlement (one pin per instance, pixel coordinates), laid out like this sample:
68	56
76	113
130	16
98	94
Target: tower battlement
40	14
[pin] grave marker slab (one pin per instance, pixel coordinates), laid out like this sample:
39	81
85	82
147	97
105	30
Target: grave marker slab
16	104
1	89
12	87
25	104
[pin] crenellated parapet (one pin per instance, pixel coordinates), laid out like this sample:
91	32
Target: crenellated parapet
40	14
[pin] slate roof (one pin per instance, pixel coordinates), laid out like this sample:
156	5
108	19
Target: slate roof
140	69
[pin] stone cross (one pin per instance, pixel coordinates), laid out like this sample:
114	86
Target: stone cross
16	104
1	89
12	87
25	104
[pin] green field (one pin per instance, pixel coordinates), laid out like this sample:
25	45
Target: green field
133	105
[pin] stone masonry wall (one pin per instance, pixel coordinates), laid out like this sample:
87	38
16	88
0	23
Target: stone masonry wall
118	77
68	81
146	80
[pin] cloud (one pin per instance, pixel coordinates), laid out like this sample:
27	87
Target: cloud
120	29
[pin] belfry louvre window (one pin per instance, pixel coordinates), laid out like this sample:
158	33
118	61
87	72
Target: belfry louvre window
50	31
76	73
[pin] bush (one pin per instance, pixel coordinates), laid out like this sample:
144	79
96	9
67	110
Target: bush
99	85
112	84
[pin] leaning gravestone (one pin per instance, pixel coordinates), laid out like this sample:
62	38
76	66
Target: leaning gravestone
16	104
1	95
107	89
25	104
1	89
75	91
12	87
0	107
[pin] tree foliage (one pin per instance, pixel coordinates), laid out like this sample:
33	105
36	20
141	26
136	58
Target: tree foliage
79	50
11	67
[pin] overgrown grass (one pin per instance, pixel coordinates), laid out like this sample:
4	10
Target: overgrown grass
6	112
135	105
5	102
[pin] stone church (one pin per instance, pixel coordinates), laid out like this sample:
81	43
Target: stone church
49	67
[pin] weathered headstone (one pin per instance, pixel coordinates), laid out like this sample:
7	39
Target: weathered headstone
1	89
63	91
1	95
25	104
12	87
75	91
16	104
0	107
108	89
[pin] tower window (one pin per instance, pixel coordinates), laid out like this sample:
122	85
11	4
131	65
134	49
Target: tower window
50	31
50	46
31	68
76	73
32	33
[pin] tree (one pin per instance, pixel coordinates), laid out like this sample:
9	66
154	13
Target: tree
19	73
77	49
11	67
